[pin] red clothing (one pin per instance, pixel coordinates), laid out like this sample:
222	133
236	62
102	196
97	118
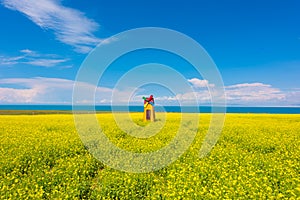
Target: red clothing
150	99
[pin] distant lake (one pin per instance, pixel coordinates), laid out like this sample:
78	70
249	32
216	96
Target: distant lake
203	109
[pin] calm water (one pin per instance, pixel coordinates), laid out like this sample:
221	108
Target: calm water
203	109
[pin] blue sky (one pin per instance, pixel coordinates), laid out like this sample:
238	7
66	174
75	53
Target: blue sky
255	45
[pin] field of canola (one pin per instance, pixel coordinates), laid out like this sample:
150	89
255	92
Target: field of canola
256	157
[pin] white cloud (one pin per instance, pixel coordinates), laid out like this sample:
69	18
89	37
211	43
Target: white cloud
247	85
293	97
10	60
46	62
27	51
253	93
198	83
59	91
37	90
11	95
45	91
70	26
34	58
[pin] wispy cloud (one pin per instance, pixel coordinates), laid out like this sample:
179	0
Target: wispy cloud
34	58
70	26
46	62
4	60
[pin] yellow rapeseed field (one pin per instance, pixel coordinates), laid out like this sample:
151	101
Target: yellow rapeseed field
256	157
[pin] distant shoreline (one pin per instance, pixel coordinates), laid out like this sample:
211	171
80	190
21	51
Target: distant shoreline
67	109
33	112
